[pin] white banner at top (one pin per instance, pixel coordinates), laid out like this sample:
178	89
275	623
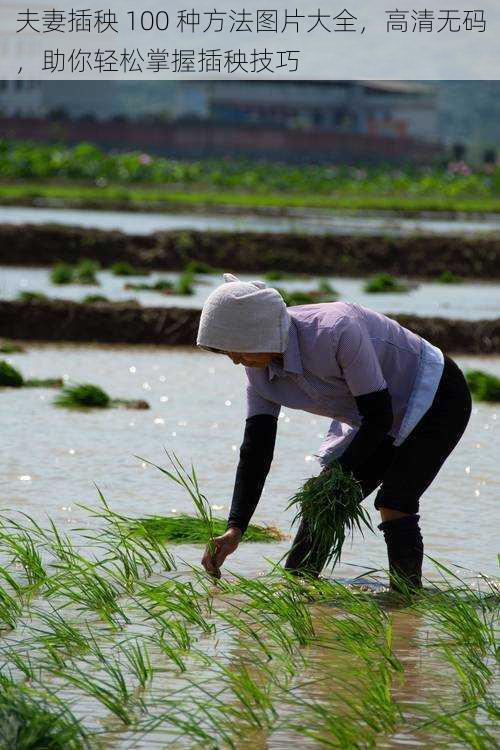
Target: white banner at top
269	39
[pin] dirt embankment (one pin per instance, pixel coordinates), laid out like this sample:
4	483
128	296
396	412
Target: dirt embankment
415	256
101	323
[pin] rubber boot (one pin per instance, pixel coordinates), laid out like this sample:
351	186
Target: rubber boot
405	550
303	558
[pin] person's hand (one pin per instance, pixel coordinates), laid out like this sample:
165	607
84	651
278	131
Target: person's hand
224	545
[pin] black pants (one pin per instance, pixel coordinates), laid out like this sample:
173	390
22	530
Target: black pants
405	472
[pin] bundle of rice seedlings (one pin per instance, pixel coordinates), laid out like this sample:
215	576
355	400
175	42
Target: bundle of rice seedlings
185	529
448	277
184	285
9	376
83	394
384	282
484	387
28	296
330	506
85	272
123	268
62	273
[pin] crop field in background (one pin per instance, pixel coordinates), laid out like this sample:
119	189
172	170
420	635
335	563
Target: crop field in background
86	175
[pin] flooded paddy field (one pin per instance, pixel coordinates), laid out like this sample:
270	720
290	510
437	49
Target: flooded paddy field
197	409
297	220
466	300
171	661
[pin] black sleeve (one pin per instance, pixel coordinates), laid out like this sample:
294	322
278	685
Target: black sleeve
376	412
256	455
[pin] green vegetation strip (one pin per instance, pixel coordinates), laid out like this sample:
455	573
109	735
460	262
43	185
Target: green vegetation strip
185	529
84	173
130	198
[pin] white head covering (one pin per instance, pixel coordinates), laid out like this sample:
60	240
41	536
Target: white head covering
244	316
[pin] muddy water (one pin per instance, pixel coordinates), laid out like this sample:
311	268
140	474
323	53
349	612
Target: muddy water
52	457
308	221
471	301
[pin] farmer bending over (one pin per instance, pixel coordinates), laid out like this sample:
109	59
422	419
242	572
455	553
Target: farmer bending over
398	408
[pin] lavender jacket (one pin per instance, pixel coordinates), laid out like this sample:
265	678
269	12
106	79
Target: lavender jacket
339	350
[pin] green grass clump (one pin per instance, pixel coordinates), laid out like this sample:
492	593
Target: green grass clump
30	721
448	277
32	296
200	267
384	282
7	347
122	268
483	386
85	272
62	273
184	285
162	285
9	376
185	529
330	505
83	394
92	299
324	292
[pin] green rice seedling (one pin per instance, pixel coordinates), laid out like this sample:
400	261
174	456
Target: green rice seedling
21	661
189	481
296	297
184	284
111	691
23	551
86	588
462	727
62	273
83	395
200	267
94	299
185	529
384	282
85	272
60	633
448	277
280	605
131	551
28	296
10	609
483	385
330	505
175	597
9	376
169	650
165	286
138	661
8	347
123	268
32	719
325	289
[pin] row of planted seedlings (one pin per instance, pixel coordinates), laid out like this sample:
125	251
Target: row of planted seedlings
108	637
